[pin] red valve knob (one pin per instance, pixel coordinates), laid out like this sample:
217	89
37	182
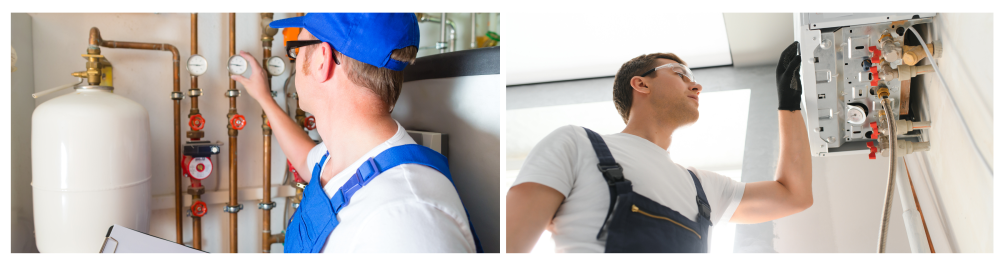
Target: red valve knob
238	122
876	53
874	71
874	149
874	130
196	122
199	209
295	173
310	123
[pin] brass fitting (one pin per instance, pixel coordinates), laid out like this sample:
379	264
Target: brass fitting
267	32
196	191
913	54
195	134
882	92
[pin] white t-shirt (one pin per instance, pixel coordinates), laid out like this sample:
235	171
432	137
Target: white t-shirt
565	161
408	208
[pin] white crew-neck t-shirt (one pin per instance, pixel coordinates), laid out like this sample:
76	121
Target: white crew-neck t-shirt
565	161
408	208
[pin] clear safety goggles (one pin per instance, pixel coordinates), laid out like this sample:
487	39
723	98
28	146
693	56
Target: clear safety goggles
677	68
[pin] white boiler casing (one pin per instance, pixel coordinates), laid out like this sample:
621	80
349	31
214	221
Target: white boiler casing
90	156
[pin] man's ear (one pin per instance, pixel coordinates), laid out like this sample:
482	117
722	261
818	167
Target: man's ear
639	85
323	56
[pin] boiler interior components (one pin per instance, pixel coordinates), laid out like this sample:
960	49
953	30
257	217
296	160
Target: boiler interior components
846	59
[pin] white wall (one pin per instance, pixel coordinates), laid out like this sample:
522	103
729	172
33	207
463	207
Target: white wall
145	77
962	182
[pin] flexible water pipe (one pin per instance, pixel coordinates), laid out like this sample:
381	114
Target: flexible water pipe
887	206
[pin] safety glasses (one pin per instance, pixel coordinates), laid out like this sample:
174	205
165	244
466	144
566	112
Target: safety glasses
292	48
677	68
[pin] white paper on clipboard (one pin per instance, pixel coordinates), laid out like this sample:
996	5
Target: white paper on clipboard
121	239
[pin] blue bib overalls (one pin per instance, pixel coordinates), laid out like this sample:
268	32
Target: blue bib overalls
636	223
316	216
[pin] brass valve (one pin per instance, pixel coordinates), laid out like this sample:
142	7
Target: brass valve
98	70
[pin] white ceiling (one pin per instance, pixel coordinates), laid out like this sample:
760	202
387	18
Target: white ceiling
758	38
545	47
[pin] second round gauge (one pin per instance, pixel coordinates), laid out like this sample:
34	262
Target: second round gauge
237	65
275	65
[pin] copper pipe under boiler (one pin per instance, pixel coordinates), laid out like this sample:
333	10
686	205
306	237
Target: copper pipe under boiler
96	42
232	93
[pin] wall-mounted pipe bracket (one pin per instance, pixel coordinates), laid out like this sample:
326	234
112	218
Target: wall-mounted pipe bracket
233	209
266	206
194	92
176	95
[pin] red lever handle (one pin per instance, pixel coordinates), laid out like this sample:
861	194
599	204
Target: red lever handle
199	209
874	71
871	145
874	130
310	123
295	173
876	53
238	122
196	122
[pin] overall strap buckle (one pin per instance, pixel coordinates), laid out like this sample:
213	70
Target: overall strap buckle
612	173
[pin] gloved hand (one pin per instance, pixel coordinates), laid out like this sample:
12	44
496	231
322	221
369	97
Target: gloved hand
787	75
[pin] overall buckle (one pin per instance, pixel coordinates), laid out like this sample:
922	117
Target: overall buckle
612	173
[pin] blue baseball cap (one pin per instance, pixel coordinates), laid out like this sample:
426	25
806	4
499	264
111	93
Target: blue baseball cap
366	37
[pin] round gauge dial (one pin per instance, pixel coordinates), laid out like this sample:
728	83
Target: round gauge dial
197	65
275	65
856	115
237	65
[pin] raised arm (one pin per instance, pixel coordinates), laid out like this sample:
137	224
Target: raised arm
791	191
294	142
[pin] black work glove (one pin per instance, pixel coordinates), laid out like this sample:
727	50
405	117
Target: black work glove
787	75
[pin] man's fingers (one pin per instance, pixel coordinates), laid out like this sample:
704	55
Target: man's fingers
252	61
239	78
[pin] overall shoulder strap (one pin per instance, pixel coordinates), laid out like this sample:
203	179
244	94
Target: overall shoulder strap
611	171
704	209
396	156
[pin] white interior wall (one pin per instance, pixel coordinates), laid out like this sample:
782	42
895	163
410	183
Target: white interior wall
145	77
964	185
846	211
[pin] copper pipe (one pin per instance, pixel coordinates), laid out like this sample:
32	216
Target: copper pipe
232	142
195	220
196	225
95	41
267	36
917	202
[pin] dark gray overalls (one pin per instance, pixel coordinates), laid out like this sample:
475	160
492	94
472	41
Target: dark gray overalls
636	223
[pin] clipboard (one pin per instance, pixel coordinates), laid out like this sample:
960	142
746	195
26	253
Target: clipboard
121	239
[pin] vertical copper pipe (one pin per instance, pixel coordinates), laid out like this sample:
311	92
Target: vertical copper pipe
232	142
95	42
195	220
267	37
917	202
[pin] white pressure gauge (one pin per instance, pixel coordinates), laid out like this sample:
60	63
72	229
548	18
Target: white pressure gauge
275	65
237	65
856	115
197	65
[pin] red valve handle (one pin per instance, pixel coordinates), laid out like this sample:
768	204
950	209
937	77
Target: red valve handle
196	122
310	123
295	173
874	130
199	209
238	122
874	71
876	53
871	145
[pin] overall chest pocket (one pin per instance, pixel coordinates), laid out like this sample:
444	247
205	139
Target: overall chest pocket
636	209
